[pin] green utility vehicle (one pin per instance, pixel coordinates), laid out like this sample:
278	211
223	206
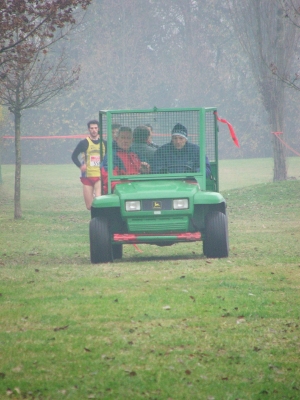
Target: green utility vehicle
160	207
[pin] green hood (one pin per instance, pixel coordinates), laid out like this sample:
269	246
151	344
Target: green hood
140	190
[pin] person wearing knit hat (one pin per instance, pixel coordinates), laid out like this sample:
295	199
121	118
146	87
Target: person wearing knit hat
179	130
179	155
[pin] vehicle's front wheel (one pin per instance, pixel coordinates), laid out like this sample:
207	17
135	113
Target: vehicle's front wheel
216	243
100	241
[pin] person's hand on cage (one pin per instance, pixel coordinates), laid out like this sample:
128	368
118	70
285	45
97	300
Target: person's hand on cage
145	168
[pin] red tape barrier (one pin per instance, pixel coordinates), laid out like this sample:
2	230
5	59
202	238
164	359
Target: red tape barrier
48	137
230	127
285	144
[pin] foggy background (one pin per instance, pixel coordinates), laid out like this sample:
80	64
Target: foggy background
137	54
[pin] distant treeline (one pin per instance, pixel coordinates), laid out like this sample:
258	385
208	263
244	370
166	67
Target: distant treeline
39	151
59	151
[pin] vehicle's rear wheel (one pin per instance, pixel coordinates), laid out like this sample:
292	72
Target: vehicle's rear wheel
100	241
117	251
216	243
204	247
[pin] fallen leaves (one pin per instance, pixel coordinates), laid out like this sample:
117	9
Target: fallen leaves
61	328
241	319
227	314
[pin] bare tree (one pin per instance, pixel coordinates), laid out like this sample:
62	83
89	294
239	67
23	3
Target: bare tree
268	39
291	12
2	118
32	74
21	20
29	87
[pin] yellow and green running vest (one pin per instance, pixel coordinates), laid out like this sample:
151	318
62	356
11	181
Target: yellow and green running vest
92	158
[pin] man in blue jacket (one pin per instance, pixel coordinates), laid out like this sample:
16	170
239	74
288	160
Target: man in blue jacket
179	155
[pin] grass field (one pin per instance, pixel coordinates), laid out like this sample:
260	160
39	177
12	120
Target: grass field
241	173
162	323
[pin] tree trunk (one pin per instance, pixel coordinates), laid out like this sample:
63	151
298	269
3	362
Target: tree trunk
280	170
1	180
17	198
275	107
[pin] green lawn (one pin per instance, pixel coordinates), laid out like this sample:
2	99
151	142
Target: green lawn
163	322
240	173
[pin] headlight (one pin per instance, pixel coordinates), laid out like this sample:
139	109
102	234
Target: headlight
133	205
180	204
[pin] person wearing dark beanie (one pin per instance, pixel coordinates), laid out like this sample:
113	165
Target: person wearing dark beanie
180	130
179	155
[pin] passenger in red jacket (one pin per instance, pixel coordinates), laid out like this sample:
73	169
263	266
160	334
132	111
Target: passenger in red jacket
125	162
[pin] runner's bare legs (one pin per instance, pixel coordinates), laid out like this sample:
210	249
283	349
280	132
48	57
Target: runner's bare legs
89	191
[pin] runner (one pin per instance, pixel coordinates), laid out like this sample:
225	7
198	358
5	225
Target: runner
87	157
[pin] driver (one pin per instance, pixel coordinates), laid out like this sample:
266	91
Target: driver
125	161
179	155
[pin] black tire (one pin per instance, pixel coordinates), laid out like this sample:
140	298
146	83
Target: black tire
204	247
100	241
216	243
117	251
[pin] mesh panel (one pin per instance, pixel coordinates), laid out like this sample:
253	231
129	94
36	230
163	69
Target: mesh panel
165	158
210	136
162	123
